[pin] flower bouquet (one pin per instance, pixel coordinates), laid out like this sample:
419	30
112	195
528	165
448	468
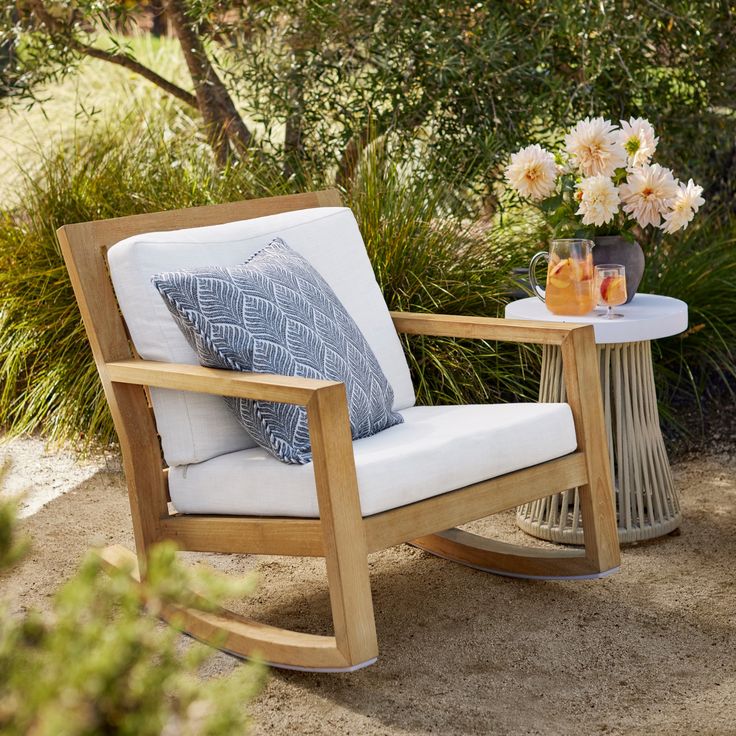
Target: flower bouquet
603	182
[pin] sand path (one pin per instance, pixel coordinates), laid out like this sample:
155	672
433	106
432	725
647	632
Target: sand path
651	650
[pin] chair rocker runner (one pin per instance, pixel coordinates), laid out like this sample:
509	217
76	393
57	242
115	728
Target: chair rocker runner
414	482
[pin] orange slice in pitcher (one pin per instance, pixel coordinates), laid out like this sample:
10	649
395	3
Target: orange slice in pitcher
582	270
560	274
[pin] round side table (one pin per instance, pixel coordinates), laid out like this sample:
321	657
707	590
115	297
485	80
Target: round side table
645	499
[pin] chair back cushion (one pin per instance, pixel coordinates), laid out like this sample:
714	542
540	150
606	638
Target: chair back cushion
276	314
196	427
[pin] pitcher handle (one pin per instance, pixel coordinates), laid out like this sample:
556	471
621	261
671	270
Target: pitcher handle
538	290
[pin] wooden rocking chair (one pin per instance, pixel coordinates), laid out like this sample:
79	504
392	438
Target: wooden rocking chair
340	520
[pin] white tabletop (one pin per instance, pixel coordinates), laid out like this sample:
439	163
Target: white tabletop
646	317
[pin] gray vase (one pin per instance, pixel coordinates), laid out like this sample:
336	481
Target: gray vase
615	249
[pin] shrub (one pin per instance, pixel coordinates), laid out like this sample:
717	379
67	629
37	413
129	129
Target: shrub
425	259
48	381
699	267
428	259
99	665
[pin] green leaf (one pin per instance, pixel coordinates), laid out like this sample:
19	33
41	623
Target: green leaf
551	204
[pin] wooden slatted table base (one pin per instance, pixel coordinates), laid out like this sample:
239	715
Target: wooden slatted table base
646	502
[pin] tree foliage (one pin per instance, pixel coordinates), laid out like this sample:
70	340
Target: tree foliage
478	80
318	78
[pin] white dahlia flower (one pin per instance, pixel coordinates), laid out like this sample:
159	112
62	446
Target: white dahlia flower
686	204
638	140
594	147
648	192
532	172
598	199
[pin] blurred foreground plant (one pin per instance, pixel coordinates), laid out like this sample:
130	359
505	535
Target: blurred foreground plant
98	664
12	547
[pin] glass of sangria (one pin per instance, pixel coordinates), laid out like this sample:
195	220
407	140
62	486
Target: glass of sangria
569	285
610	287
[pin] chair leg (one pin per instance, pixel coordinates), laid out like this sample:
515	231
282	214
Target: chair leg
601	555
599	558
583	388
343	531
354	644
352	605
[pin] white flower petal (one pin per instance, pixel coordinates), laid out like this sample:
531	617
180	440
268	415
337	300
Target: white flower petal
532	172
638	140
594	148
599	200
677	220
648	193
684	207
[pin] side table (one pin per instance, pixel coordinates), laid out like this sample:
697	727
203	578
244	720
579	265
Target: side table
645	499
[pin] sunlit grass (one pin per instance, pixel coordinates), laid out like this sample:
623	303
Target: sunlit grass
99	95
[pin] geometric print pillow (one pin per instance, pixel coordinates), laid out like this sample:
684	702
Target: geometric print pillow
276	314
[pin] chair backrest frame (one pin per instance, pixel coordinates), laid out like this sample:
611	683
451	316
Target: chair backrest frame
84	247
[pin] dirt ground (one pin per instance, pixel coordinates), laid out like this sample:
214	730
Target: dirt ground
651	650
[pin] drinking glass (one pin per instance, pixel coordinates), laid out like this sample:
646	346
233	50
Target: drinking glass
610	287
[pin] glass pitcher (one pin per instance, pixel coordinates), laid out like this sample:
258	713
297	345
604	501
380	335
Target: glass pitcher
569	277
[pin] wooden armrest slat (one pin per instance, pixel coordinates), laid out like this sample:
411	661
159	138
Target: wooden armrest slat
484	328
184	377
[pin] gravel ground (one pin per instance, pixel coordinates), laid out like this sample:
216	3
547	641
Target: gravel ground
648	651
38	473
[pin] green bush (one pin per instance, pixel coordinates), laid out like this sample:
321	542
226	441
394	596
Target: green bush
100	662
427	259
12	546
699	267
48	381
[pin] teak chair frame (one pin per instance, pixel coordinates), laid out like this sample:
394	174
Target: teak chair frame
341	535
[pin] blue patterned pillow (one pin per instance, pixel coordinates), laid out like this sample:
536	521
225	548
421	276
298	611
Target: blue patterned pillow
276	314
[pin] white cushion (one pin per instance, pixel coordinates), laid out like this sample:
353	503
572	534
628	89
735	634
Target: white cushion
196	427
437	449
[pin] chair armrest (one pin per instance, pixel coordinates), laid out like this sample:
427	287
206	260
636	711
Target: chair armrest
579	363
184	377
485	328
329	427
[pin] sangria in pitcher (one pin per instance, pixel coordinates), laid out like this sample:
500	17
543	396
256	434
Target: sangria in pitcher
570	286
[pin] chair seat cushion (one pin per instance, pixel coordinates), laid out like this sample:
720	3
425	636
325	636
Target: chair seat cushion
437	449
276	314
